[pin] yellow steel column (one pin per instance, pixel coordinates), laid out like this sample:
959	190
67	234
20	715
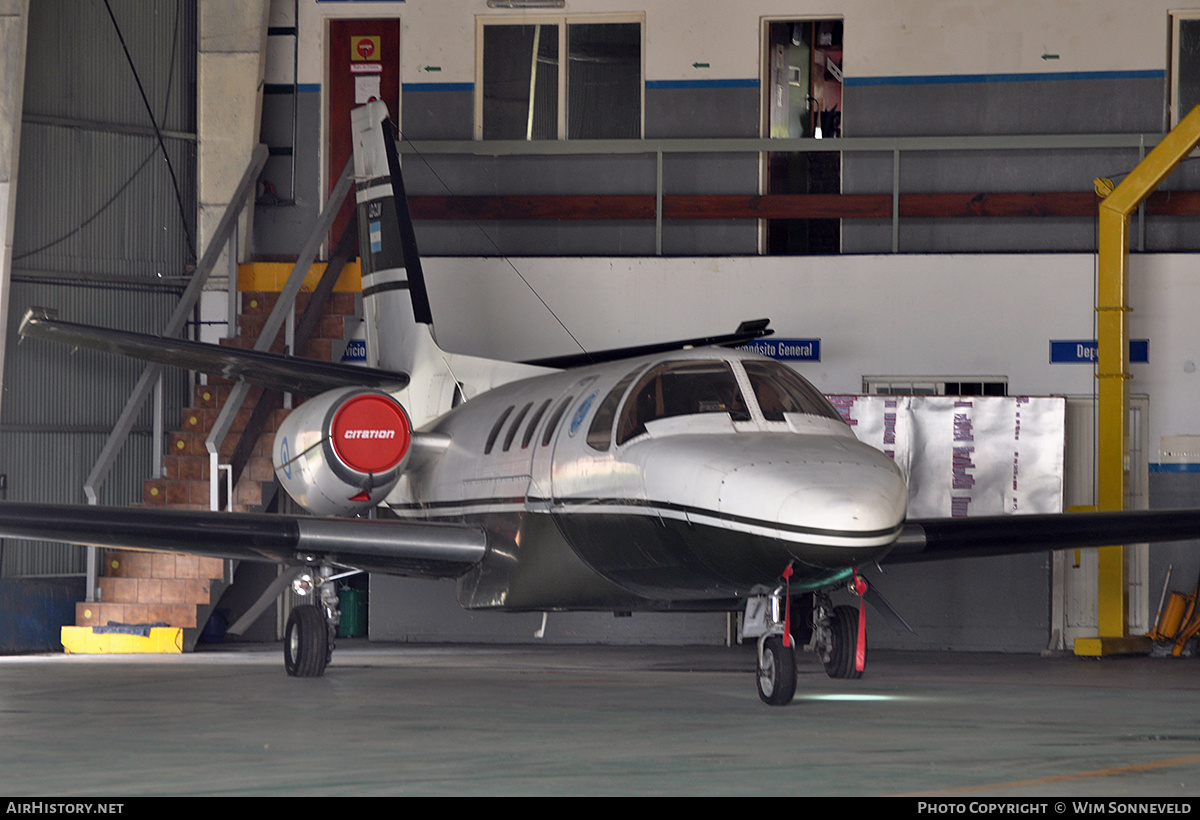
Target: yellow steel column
1112	328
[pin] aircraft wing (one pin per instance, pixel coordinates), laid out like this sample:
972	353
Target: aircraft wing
389	546
285	373
746	332
945	538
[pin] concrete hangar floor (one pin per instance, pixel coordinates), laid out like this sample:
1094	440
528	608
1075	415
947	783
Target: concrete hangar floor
409	719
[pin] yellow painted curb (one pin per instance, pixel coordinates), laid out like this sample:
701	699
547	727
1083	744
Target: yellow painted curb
1100	647
270	277
82	640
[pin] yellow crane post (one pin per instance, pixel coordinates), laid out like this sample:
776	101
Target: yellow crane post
1112	327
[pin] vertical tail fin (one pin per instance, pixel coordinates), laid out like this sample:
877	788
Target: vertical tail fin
395	301
396	309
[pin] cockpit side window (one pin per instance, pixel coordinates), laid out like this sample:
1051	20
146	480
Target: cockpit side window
680	389
779	390
600	433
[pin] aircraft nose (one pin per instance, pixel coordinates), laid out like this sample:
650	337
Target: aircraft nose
835	492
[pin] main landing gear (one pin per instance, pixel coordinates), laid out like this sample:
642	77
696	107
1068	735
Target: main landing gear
836	640
308	638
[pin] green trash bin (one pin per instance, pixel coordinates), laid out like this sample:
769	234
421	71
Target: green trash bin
353	603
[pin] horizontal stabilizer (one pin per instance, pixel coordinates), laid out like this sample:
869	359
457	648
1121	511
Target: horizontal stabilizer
376	545
945	538
746	332
273	370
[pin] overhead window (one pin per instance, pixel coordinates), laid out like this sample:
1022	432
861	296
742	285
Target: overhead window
1185	63
524	93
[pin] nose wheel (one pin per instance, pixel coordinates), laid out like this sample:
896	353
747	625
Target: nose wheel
776	671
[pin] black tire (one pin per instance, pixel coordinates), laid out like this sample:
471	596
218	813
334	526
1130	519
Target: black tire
306	645
777	672
844	627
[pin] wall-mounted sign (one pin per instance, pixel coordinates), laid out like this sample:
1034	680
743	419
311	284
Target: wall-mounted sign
802	350
365	49
1085	351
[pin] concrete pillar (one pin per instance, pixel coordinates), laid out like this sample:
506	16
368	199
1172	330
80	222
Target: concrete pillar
14	23
230	71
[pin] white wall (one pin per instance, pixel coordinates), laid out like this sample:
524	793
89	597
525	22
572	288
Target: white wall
951	315
900	38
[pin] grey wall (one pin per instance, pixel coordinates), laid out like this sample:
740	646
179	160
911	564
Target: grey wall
100	235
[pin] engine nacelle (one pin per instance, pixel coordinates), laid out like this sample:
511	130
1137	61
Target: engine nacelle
342	451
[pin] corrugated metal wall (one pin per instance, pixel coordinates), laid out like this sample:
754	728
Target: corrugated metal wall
101	236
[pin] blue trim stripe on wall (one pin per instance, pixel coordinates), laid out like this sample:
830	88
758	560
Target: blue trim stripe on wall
439	86
1175	468
659	85
946	79
850	82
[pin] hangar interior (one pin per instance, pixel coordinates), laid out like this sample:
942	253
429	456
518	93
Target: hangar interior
910	183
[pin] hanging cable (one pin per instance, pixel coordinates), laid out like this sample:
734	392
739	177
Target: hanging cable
492	242
157	131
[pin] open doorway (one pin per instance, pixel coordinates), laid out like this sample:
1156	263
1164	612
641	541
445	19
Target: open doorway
802	99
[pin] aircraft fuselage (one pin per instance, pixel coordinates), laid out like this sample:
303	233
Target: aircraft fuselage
680	481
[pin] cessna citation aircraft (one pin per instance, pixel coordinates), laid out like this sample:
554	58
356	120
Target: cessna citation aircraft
685	477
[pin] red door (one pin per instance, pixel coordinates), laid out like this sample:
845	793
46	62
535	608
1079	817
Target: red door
364	62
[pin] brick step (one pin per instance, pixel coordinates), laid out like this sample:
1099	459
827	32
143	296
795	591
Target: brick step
193	591
250	326
173	492
136	564
263	302
202	419
319	349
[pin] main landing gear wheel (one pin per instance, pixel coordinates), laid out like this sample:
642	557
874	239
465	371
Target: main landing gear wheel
776	672
843	628
306	642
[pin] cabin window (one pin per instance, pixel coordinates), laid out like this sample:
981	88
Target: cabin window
533	423
681	389
512	431
491	439
552	425
524	94
600	433
779	389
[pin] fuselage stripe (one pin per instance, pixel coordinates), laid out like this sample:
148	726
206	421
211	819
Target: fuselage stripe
604	506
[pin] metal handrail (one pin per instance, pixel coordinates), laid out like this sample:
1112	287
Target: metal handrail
279	314
761	145
187	302
152	374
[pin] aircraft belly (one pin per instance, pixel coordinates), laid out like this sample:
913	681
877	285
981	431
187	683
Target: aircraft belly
679	559
530	566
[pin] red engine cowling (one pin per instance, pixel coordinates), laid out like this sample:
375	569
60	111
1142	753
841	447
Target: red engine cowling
342	451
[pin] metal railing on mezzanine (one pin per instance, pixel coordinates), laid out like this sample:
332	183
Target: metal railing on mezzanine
663	205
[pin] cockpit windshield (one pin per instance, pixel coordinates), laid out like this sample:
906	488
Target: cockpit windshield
679	389
779	389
